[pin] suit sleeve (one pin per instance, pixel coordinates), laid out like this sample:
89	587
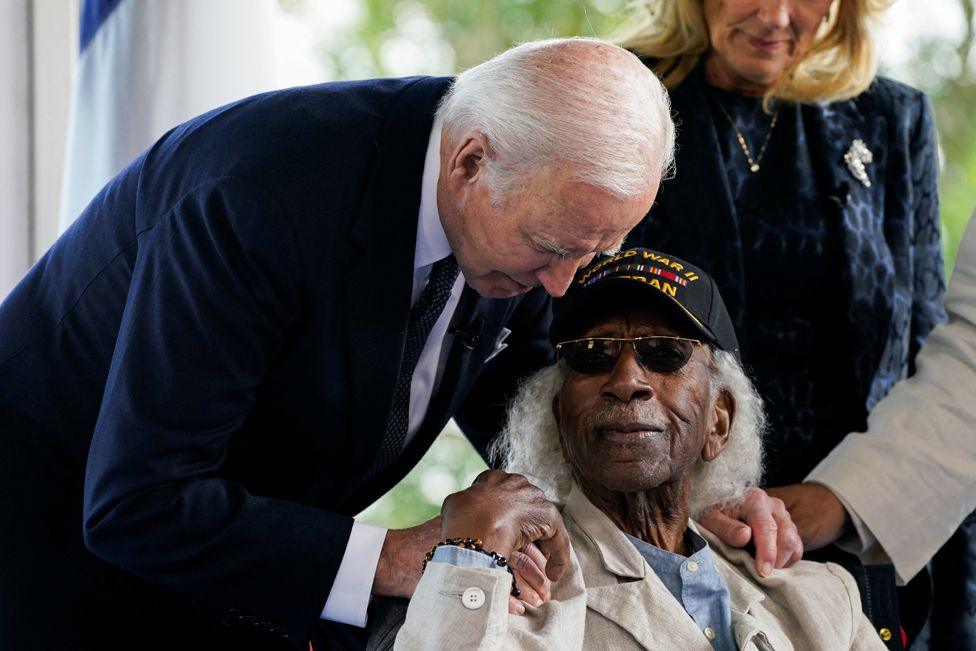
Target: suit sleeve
911	478
214	292
482	414
928	279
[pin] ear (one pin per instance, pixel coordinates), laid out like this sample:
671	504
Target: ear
465	160
719	426
556	414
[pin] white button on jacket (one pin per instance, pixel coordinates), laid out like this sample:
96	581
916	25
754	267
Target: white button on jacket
473	598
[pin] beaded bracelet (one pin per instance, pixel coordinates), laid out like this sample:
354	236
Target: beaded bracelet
475	545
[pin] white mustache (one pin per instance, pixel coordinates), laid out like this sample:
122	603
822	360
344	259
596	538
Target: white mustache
611	416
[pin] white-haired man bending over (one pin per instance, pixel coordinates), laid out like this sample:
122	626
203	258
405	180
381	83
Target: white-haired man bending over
245	339
646	420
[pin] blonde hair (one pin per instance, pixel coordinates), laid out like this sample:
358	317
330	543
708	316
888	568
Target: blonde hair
840	64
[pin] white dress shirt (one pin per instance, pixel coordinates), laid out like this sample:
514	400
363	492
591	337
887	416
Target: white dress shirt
349	598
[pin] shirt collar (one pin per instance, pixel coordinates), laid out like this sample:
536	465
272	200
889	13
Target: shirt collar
432	244
620	557
661	560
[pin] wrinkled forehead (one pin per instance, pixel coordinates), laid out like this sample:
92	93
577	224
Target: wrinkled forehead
579	217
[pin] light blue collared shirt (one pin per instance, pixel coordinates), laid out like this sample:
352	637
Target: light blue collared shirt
696	584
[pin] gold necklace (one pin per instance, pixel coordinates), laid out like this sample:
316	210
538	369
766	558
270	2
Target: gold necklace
753	164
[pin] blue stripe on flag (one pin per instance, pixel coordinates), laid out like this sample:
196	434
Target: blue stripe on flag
93	14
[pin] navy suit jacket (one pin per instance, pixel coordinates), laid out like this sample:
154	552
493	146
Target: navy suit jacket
219	335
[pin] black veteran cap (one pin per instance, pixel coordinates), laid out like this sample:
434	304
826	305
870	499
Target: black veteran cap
641	277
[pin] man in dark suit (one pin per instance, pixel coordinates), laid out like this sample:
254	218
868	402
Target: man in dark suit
260	325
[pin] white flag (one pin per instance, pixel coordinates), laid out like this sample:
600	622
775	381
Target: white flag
147	65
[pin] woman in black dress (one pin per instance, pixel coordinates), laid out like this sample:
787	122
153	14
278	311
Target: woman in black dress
806	185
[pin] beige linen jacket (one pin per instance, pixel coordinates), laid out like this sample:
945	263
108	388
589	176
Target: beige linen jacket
910	480
611	599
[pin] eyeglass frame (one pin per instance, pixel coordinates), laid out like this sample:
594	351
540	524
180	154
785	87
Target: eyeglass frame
633	343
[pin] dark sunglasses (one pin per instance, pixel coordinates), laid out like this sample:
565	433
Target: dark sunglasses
595	355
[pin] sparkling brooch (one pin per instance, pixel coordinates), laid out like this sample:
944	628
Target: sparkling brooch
856	157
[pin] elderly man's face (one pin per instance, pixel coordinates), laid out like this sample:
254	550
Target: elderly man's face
631	429
539	235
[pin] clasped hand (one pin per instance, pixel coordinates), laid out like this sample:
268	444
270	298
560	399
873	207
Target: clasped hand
513	518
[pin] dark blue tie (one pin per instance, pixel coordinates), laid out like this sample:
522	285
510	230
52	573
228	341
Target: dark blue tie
423	315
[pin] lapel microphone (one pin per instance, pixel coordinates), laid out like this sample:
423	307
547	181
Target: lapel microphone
469	334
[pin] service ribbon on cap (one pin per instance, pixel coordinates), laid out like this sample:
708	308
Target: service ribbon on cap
607	267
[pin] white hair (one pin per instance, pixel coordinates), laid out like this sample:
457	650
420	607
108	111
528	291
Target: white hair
529	443
574	103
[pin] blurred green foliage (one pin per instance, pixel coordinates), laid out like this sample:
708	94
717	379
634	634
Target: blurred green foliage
450	465
954	100
402	37
475	30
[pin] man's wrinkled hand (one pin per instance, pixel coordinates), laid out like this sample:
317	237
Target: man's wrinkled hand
763	520
507	512
819	516
529	566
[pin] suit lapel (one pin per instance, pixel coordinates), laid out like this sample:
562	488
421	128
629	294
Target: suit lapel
623	588
470	323
377	285
477	322
464	361
737	567
746	626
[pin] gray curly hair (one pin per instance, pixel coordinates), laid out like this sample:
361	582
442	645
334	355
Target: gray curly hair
529	444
